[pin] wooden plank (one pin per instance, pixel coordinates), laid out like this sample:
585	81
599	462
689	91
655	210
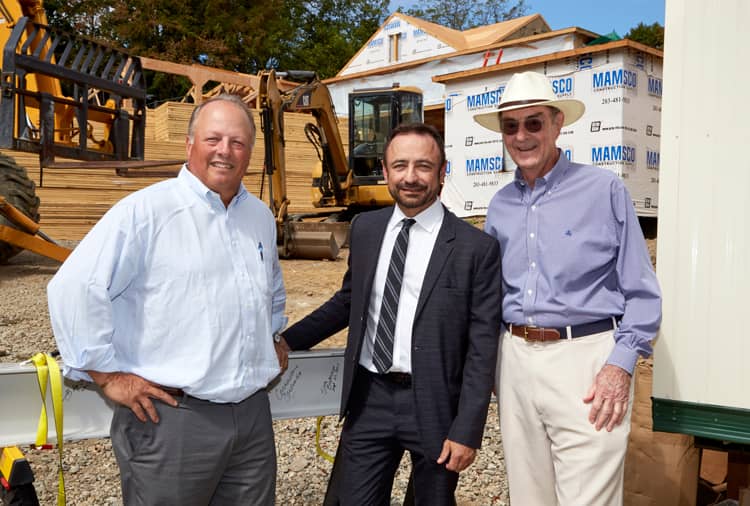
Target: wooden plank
72	200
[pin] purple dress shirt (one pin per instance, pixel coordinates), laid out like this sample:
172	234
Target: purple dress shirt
573	252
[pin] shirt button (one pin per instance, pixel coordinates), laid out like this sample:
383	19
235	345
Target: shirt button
533	265
529	291
530	320
531	235
533	208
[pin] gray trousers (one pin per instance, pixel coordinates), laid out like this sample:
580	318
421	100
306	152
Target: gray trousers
200	453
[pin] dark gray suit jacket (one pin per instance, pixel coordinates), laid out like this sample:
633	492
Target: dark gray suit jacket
456	326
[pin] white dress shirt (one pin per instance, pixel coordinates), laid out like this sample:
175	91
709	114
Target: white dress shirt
422	236
175	287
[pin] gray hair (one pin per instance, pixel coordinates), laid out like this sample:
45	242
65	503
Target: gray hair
224	97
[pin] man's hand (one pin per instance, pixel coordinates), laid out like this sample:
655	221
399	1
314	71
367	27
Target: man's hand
282	352
460	456
132	391
608	397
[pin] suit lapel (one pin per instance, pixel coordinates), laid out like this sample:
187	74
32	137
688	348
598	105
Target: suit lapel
372	244
440	253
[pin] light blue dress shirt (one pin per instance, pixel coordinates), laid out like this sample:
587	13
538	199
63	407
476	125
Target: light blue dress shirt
573	252
175	287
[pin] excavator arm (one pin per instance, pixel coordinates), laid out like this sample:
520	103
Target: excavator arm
297	238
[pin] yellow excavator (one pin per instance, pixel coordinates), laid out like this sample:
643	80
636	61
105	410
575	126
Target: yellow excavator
341	186
64	96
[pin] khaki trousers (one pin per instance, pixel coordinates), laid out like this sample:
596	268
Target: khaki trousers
553	455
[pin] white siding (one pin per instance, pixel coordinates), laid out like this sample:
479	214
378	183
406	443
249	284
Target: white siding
414	44
703	352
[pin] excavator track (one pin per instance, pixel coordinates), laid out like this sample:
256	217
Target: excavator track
19	191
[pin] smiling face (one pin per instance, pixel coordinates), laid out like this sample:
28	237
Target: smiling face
534	153
414	171
218	151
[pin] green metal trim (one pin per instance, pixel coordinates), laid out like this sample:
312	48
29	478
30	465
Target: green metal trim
706	420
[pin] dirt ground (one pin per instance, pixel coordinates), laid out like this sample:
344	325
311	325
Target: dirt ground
309	283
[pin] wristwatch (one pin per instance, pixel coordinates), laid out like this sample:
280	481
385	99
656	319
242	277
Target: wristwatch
277	337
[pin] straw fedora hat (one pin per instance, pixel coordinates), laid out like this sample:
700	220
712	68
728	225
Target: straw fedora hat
530	89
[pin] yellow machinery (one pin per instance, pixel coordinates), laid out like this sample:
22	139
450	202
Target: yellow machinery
58	94
16	478
341	186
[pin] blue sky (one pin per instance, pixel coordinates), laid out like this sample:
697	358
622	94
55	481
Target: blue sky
600	16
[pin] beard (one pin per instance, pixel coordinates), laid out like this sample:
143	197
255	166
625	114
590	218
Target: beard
421	195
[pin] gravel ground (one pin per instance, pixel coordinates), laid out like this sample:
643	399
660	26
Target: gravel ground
91	474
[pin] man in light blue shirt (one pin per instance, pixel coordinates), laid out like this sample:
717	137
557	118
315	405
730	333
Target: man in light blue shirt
169	304
581	302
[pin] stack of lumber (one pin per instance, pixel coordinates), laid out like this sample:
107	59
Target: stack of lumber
72	200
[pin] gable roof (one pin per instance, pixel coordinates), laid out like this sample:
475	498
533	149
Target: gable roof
479	36
473	38
580	36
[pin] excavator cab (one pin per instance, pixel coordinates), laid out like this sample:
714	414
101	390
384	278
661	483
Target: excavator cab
373	113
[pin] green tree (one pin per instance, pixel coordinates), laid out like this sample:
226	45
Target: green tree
457	15
329	32
76	16
650	35
320	35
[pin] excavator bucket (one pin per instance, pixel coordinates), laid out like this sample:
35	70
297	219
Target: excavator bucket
314	240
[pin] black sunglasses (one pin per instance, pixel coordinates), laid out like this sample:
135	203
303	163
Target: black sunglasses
532	125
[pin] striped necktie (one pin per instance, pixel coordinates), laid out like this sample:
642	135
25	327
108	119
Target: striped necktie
382	355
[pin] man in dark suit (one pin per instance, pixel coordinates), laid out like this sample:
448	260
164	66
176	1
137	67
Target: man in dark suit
421	298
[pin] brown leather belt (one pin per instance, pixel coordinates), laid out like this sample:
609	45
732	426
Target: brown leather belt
399	378
543	334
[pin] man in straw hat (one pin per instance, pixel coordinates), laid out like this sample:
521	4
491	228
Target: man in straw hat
581	303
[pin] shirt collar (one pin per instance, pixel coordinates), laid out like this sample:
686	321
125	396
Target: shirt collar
428	219
552	177
204	192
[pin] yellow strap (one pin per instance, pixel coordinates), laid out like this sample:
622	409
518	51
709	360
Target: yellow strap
39	361
320	450
47	367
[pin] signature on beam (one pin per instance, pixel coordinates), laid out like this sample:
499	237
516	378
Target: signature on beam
329	385
286	390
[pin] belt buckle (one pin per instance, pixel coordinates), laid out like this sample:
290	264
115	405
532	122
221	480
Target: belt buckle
526	333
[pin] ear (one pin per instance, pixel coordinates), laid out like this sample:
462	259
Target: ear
559	120
441	175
